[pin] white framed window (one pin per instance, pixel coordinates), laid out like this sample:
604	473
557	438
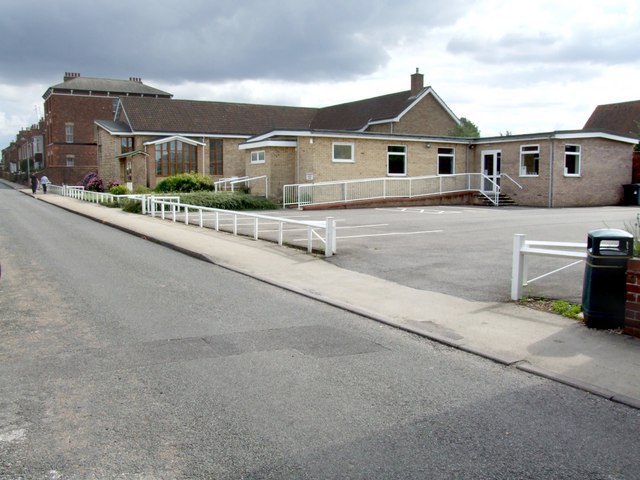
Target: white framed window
68	132
446	161
70	161
529	160
572	161
396	160
258	156
343	152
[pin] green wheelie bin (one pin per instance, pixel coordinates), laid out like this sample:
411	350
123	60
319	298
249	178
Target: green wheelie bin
605	288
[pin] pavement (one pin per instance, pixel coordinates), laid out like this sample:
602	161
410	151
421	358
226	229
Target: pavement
604	363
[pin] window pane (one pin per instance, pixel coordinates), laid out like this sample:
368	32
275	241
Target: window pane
342	152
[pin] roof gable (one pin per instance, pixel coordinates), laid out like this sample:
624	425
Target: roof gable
360	114
622	118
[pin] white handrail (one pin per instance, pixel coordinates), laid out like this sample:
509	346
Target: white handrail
522	248
380	188
328	225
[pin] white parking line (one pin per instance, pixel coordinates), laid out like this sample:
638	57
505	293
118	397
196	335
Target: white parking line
419	210
377	235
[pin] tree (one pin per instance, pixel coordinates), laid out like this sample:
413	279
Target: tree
466	129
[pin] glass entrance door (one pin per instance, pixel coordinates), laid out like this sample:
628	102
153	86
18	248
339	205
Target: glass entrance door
491	170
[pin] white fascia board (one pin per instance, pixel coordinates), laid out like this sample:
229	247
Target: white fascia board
554	136
354	135
607	136
268	144
172	138
427	91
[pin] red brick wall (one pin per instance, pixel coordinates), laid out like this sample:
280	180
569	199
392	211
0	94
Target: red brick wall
632	310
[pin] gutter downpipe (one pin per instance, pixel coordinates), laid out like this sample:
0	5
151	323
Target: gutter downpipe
551	162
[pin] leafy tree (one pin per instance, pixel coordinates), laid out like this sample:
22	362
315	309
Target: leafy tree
466	129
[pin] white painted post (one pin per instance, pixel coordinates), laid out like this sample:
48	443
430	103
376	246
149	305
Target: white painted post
280	233
186	215
217	221
201	219
255	228
518	267
309	239
330	237
235	224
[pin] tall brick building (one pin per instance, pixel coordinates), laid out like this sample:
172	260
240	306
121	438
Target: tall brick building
71	108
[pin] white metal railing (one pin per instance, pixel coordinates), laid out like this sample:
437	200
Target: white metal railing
387	187
170	206
230	183
174	210
523	248
79	193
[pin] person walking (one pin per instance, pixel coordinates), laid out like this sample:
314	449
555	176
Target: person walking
34	183
44	181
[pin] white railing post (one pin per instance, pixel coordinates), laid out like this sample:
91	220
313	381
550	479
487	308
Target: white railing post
518	267
330	237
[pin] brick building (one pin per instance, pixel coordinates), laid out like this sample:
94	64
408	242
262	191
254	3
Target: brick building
71	108
403	134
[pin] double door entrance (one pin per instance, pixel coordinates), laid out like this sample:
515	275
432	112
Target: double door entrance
490	160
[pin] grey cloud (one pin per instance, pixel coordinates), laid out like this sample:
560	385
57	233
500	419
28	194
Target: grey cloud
584	46
211	41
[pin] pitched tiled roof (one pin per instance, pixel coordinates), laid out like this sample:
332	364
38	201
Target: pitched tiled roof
191	116
356	115
623	118
104	85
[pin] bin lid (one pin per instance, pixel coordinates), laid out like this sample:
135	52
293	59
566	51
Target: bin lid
610	234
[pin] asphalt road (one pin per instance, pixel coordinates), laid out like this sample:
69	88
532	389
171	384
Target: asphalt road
123	359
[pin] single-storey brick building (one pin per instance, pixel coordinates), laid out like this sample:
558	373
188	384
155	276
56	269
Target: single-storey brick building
404	134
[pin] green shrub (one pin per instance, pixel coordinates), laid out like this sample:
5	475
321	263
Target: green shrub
227	201
566	309
119	190
132	206
185	182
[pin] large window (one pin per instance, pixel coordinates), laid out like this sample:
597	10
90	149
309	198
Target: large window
175	157
446	161
257	157
126	144
215	156
529	160
68	132
396	160
343	152
572	160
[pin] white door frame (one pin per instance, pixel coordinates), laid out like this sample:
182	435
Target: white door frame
492	169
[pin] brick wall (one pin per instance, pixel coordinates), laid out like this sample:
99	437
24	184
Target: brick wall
632	310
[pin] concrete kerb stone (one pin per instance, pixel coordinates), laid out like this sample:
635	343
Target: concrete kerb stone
506	360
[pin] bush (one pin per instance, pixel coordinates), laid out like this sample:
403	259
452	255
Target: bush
132	206
185	182
227	201
92	182
118	190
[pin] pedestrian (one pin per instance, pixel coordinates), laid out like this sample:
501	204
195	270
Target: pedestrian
34	183
44	181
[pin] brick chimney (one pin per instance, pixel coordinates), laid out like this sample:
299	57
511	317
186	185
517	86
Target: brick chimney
70	76
417	83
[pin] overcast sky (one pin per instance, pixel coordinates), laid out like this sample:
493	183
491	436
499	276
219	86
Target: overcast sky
507	65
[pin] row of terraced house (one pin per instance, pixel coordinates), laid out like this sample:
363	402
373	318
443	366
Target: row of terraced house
132	133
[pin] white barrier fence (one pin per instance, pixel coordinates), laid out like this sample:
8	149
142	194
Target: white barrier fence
522	249
170	207
177	211
388	187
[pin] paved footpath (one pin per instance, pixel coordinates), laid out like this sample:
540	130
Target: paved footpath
601	362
